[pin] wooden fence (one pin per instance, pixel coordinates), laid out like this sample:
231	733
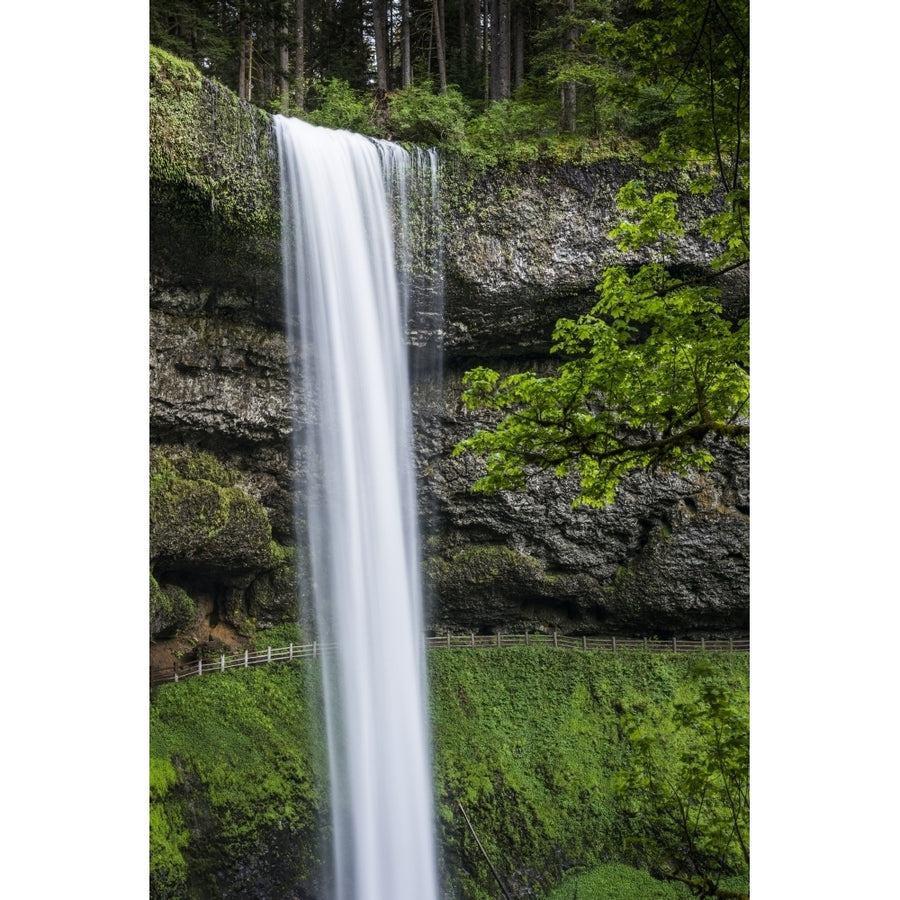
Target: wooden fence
453	642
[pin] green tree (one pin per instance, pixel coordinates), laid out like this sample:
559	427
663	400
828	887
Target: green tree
655	374
683	73
687	789
623	400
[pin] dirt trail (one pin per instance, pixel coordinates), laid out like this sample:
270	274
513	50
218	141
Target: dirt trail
165	653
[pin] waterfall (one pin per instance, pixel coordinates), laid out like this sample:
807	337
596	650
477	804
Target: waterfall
346	307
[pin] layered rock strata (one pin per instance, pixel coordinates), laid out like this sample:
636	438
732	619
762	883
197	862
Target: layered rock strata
522	247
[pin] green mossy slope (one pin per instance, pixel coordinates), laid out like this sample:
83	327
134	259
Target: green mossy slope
233	798
528	740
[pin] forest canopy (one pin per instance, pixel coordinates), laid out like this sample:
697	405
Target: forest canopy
476	73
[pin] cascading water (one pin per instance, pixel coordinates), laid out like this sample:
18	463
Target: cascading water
349	344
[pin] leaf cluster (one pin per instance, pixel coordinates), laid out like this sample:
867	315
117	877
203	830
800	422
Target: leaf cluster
339	106
687	787
652	377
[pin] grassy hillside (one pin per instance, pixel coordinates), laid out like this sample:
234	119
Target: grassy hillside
527	740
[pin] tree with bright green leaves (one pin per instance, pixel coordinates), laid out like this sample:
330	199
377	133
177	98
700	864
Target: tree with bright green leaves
655	377
687	790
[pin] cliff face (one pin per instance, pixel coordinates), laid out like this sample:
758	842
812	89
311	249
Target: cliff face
521	248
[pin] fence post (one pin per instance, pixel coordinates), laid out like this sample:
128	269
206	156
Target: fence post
498	638
472	634
526	637
645	643
246	658
584	642
730	645
291	650
269	655
614	645
555	641
200	666
222	669
702	645
448	640
315	647
674	645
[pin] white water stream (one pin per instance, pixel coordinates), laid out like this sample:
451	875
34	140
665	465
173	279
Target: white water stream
349	348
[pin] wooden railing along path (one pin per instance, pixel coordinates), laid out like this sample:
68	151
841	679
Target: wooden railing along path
452	642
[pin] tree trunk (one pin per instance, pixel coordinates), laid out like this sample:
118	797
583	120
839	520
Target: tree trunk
268	61
284	68
500	46
519	46
250	68
474	28
485	47
300	58
382	55
242	63
437	7
405	54
463	37
569	95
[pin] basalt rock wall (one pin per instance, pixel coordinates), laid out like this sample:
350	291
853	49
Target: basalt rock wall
521	247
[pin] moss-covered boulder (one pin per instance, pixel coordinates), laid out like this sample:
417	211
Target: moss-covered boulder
211	547
171	609
493	586
199	517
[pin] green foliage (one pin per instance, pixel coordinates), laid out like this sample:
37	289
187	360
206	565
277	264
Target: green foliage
682	53
653	221
243	742
652	374
531	742
420	115
687	787
686	65
168	835
278	636
620	882
339	106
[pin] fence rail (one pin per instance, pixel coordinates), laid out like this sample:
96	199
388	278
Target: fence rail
452	642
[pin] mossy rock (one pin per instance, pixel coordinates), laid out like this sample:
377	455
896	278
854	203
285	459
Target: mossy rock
171	609
488	564
481	583
266	595
214	195
210	541
201	518
203	137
